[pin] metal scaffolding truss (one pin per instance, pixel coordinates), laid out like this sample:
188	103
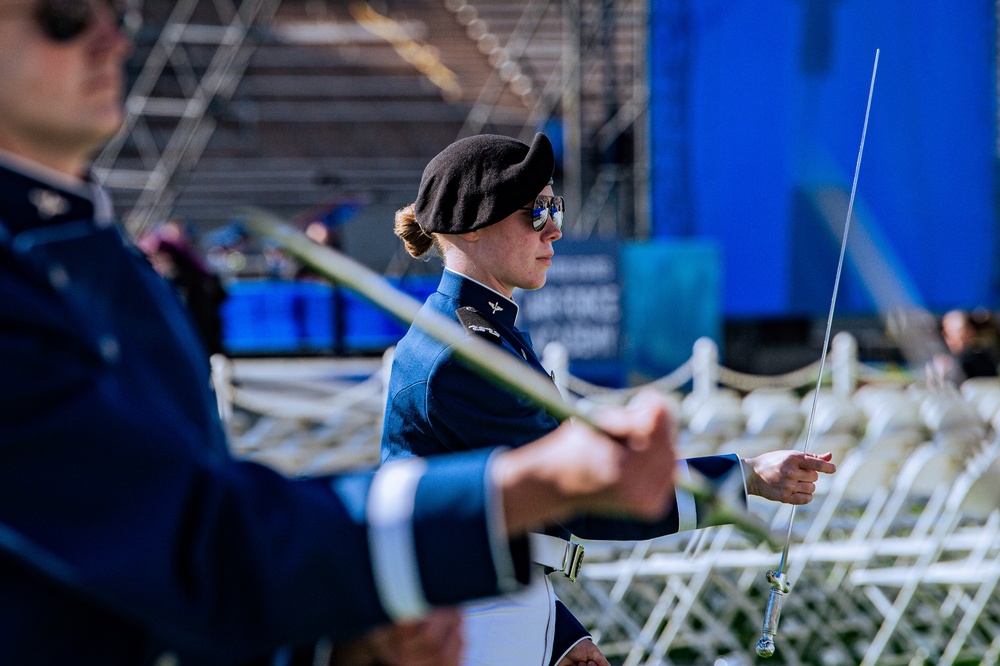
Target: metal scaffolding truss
168	126
575	66
596	87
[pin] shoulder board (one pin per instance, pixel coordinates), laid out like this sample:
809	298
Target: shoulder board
475	321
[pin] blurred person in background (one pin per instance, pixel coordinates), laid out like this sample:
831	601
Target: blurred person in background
174	256
486	204
128	533
970	341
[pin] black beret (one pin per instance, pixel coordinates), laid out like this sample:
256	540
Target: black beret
480	180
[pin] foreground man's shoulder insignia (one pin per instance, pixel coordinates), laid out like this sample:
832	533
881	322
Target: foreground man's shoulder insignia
48	203
475	321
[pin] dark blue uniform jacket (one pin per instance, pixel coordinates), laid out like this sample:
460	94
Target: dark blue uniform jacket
127	530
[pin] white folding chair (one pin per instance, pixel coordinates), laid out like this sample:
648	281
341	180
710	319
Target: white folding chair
920	614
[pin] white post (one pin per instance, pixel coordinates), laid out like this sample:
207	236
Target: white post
844	364
705	367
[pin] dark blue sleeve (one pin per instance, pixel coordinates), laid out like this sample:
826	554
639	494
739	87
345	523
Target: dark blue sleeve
568	632
450	532
111	495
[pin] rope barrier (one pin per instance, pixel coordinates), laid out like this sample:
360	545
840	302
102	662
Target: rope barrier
727	378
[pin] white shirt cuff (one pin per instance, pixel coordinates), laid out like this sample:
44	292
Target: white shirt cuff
390	539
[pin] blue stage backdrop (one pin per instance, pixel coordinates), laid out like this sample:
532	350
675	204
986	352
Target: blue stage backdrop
757	108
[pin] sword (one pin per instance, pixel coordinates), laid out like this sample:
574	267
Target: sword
777	579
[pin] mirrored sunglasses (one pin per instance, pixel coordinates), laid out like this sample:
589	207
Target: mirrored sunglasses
546	206
64	20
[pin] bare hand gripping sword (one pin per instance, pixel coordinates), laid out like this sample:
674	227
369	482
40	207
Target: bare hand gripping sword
777	579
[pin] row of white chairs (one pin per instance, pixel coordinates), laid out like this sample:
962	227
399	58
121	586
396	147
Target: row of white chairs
774	419
895	561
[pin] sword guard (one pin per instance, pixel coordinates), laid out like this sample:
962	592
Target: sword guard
778	582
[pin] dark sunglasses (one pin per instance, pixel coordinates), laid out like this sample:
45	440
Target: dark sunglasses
543	208
65	20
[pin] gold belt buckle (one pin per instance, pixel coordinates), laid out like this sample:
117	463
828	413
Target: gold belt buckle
573	560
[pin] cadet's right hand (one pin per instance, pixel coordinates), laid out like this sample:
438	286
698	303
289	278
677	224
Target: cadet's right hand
644	483
584	653
576	469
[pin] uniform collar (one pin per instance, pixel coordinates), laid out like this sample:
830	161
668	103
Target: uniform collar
33	196
470	292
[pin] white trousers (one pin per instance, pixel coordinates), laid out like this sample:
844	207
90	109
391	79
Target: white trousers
513	629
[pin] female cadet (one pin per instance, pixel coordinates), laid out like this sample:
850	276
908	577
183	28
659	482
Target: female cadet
487	205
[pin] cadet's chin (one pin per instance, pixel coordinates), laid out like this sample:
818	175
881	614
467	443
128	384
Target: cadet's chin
111	121
533	286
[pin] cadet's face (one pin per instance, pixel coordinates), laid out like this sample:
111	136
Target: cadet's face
957	332
514	254
60	100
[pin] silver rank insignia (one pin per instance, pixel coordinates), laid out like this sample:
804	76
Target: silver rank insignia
477	322
48	203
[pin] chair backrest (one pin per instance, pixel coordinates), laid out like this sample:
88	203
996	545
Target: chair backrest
749	446
718	415
892	413
834	414
773	412
949	412
983	393
983	496
881	461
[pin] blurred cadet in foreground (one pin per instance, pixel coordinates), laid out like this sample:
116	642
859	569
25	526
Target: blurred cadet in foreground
128	535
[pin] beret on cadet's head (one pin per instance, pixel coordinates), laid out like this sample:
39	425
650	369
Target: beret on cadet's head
480	180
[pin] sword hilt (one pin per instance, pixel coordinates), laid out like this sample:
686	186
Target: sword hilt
779	587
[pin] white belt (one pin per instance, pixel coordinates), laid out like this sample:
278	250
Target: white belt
555	553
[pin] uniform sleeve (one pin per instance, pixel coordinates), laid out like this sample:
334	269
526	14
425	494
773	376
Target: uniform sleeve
436	538
568	632
110	491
